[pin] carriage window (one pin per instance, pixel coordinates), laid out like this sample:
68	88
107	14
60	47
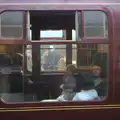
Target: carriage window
11	25
95	24
46	63
51	34
91	74
60	50
53	57
11	79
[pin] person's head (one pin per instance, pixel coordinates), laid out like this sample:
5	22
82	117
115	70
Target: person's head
70	69
87	85
96	70
61	56
29	47
45	52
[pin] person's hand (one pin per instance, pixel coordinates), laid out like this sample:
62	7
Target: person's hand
30	82
61	86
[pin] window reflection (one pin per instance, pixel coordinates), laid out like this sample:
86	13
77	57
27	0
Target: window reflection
11	25
91	75
12	18
95	24
14	32
11	79
53	57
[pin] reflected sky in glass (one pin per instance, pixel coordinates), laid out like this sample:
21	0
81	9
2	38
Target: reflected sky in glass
53	34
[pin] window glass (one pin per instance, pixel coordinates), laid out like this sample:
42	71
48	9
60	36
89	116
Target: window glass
73	35
11	78
91	76
11	25
10	32
51	57
51	34
60	34
95	24
12	18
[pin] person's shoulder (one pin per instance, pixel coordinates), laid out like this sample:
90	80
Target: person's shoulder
72	77
81	96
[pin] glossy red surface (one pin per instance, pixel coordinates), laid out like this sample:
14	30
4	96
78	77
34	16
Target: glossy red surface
80	110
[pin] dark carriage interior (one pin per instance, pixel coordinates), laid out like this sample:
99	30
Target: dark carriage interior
49	20
45	85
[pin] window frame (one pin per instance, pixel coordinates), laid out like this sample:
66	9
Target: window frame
83	41
65	42
58	104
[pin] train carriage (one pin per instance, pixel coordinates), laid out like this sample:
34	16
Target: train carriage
32	67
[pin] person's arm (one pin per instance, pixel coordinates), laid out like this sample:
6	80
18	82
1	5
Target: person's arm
62	85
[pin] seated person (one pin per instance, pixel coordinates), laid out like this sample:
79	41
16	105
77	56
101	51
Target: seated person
69	84
99	82
61	63
44	60
87	93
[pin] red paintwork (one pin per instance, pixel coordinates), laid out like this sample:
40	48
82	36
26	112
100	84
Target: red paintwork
113	98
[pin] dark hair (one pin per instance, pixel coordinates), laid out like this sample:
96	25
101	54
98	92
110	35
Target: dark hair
71	68
87	85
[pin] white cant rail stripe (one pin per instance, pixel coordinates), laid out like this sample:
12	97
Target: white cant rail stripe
59	4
